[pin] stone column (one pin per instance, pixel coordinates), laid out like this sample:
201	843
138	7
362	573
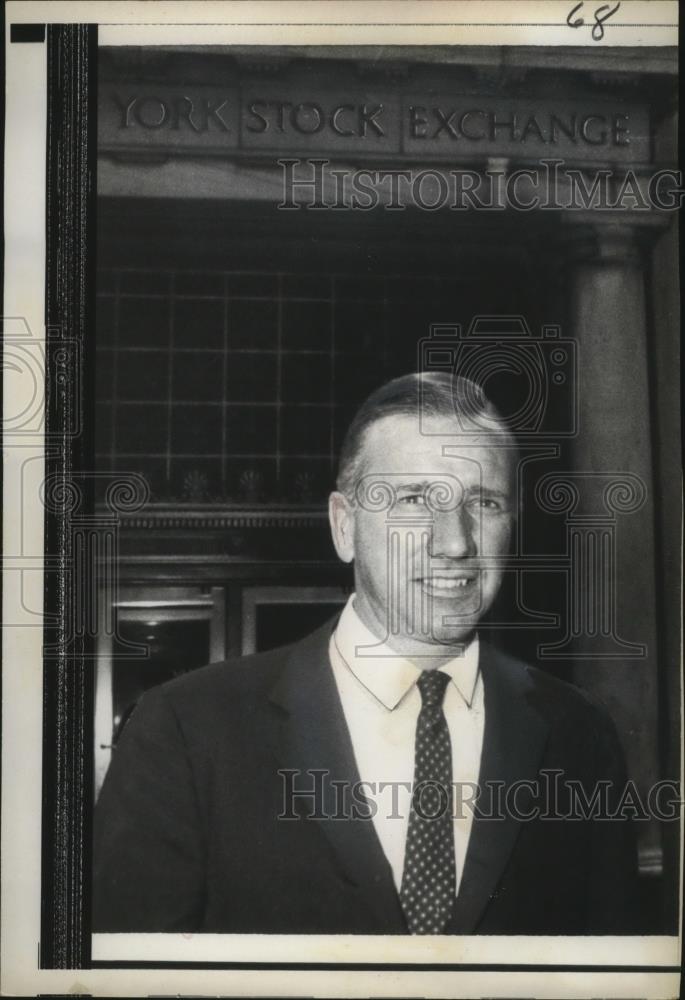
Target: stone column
605	282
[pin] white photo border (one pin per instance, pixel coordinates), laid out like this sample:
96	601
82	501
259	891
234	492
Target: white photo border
639	967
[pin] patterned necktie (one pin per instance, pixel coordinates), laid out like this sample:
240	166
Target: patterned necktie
429	874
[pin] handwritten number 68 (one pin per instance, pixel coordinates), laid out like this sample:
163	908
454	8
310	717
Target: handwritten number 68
602	14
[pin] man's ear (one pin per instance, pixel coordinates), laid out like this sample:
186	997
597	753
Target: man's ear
341	517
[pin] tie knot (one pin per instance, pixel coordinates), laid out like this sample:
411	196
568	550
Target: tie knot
432	685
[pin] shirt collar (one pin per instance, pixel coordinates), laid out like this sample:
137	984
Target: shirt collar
389	676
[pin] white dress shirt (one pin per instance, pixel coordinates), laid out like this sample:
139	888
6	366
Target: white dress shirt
381	703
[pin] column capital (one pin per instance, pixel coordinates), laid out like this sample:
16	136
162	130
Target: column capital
602	243
607	238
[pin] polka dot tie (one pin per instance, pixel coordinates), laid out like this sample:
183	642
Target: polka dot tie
429	875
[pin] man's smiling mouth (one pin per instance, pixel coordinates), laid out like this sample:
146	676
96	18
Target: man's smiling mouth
448	583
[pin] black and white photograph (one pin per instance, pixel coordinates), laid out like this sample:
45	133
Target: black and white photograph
349	550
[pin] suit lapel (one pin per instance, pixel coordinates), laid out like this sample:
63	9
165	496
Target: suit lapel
312	734
513	742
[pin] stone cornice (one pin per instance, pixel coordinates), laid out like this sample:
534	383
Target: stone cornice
220	517
623	60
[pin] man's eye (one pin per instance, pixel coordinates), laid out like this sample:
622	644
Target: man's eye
412	499
486	503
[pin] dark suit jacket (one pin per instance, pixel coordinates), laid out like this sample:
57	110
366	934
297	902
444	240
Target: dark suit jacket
187	835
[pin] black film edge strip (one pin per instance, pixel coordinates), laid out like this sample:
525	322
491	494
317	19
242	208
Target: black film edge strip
68	645
27	33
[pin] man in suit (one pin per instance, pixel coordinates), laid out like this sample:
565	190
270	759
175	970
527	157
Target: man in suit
394	772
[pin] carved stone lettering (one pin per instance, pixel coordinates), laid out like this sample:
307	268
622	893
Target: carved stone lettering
199	114
349	119
475	124
312	117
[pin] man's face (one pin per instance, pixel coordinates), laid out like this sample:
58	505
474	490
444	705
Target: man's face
427	531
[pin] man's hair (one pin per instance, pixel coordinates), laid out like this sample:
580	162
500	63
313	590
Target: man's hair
425	394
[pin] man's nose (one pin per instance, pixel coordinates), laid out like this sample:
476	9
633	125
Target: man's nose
453	535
